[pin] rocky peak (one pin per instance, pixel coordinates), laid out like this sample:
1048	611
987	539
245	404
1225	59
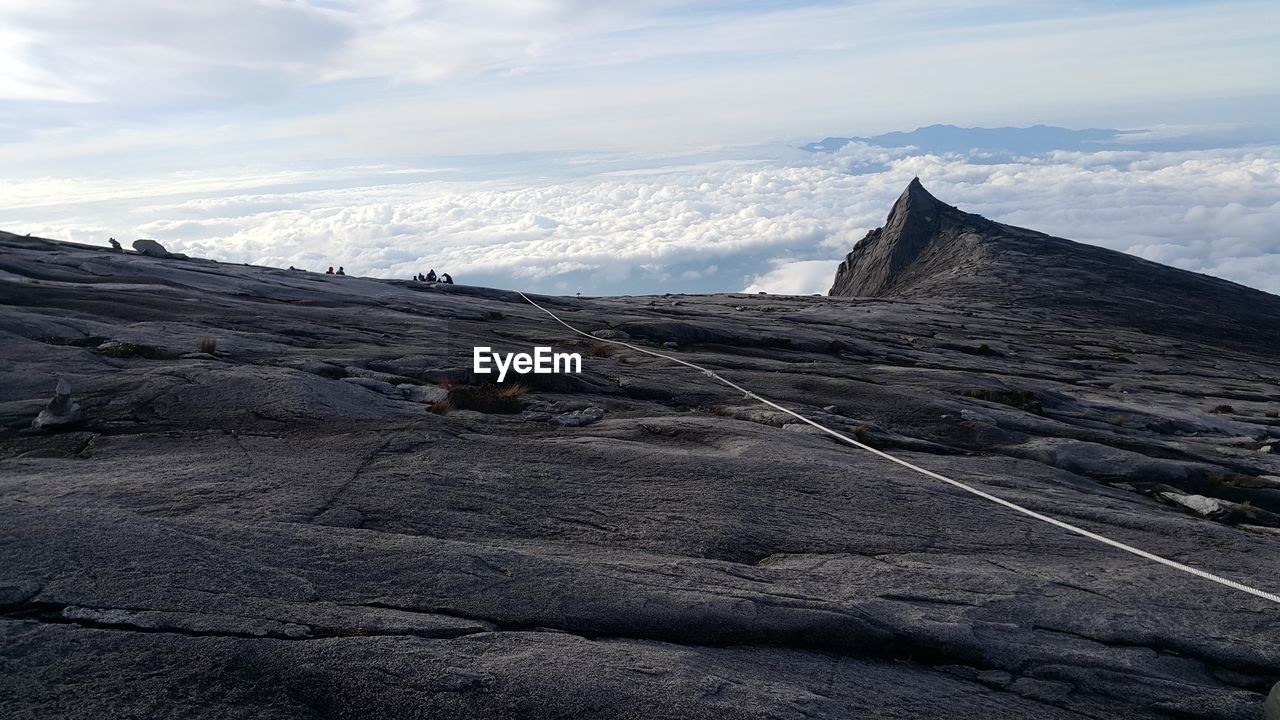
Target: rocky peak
878	262
929	250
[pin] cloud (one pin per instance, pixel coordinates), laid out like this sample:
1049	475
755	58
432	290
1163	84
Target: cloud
774	223
800	277
93	87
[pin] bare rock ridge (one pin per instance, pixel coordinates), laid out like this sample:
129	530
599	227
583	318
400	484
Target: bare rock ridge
928	249
230	491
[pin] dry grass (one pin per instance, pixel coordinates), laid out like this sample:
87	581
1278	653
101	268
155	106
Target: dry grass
440	407
1239	513
208	345
1117	420
1223	410
1273	413
601	350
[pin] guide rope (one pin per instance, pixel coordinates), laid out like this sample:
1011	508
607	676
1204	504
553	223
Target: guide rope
1226	582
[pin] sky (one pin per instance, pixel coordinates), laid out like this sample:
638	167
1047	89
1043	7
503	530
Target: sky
630	147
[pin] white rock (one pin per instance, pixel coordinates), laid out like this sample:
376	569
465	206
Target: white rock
1198	504
972	416
578	418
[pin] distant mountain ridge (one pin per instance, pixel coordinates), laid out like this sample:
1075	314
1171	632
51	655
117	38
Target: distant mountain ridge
930	250
950	138
1004	142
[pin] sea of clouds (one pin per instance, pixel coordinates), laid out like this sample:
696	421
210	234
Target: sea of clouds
779	221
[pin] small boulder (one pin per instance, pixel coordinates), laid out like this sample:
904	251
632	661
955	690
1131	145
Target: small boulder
805	428
425	394
60	411
1198	504
151	248
578	418
972	416
608	334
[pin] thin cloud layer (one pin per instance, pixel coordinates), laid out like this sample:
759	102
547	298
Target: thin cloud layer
134	85
778	225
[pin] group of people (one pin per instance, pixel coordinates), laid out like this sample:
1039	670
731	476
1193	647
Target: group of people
431	277
331	272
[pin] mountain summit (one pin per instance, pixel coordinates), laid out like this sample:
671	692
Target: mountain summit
929	250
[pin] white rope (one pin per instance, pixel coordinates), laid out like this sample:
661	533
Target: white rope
955	483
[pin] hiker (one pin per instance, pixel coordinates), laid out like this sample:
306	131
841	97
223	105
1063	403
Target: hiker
431	275
329	271
446	278
340	272
115	245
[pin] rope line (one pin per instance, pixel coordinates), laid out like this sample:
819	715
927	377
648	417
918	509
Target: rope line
1226	582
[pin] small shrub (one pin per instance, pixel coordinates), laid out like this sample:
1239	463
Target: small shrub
208	345
1239	513
1228	479
1117	420
1273	413
440	407
601	350
497	398
1020	399
1223	410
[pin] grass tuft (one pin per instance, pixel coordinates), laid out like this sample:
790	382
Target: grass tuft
1239	513
1223	410
208	345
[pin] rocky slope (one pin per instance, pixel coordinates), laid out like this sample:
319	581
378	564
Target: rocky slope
274	494
930	250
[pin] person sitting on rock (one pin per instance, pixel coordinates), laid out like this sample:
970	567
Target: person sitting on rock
340	271
431	275
115	245
446	278
329	271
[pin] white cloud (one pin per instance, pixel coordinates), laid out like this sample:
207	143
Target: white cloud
97	86
772	224
800	277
